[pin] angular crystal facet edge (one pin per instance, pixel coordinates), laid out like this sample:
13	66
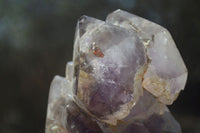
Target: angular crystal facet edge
60	95
84	24
160	47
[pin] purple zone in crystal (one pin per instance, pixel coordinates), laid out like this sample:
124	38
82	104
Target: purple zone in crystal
79	122
111	82
136	128
162	124
104	100
155	124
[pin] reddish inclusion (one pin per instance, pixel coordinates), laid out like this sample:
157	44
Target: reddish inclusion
97	52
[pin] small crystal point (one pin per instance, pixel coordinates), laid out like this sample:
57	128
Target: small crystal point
60	95
69	71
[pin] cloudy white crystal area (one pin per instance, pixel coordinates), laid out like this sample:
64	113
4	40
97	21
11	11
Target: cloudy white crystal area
166	73
110	58
124	72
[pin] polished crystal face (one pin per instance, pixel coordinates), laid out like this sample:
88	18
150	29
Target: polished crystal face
124	72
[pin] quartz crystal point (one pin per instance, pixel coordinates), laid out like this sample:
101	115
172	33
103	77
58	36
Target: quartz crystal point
166	73
109	68
124	72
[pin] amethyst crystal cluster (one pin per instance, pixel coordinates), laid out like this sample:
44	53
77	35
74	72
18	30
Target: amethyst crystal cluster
125	71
